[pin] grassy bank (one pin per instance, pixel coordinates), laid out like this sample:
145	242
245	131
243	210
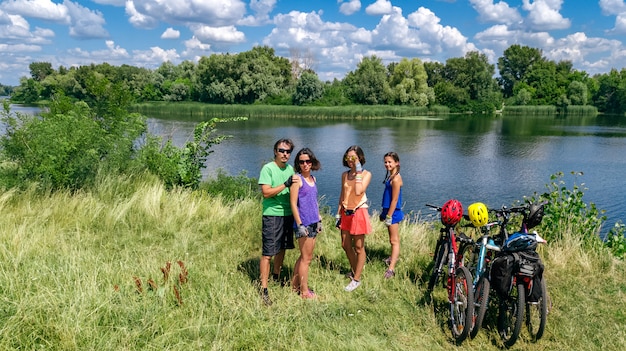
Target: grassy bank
194	110
73	265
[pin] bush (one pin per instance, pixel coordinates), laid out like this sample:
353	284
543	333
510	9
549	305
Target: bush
568	212
232	188
67	146
182	166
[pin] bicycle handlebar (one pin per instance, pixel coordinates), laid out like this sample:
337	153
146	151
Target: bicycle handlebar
438	208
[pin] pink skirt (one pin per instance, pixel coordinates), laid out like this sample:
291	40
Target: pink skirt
358	223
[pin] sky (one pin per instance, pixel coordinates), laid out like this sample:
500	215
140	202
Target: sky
333	34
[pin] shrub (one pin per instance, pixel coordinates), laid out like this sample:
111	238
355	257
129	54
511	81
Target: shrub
182	166
232	188
568	212
65	147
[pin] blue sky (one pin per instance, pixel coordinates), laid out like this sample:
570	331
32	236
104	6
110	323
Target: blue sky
331	36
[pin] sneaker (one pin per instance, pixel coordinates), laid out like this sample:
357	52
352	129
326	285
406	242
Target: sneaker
387	261
353	285
309	295
265	296
389	274
350	275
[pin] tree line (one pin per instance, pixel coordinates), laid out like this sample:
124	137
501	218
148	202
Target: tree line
258	76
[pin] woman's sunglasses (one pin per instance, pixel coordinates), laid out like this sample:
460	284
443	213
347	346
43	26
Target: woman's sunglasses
304	161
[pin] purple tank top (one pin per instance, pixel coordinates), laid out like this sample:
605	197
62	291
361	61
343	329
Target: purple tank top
307	203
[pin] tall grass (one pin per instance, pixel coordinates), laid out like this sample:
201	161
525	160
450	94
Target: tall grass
194	110
73	265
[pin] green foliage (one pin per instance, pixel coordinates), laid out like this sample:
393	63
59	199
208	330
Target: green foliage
616	240
568	212
368	83
232	188
67	146
308	89
182	166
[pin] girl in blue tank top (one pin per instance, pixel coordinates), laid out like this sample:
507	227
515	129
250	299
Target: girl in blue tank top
391	213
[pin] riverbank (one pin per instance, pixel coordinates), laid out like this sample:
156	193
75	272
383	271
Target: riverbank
85	271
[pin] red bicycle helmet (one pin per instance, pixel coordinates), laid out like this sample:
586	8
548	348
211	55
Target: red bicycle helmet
451	212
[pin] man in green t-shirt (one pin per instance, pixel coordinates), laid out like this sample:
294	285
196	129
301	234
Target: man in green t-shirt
277	234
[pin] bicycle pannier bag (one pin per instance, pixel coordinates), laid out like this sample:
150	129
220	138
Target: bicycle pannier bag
501	274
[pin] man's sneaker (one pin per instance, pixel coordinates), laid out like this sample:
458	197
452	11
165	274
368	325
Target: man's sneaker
389	274
353	285
265	296
387	261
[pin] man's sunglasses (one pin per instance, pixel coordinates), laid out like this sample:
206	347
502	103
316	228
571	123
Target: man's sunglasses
284	151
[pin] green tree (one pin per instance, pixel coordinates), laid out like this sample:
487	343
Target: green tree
408	83
308	88
262	74
513	66
28	92
368	83
577	93
40	70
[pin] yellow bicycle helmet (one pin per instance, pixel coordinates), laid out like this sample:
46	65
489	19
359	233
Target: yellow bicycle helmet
478	214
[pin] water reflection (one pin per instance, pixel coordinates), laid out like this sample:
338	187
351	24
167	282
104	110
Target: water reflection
494	160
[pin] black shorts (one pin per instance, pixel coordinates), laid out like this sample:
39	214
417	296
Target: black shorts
277	234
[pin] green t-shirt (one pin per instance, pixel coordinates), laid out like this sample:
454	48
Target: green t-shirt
273	175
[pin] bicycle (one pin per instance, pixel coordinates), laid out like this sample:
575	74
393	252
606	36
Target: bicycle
459	278
477	256
520	296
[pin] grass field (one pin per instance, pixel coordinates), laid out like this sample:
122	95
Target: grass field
89	271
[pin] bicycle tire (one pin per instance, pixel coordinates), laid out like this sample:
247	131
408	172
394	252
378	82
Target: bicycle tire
438	259
481	301
512	314
469	257
462	307
537	313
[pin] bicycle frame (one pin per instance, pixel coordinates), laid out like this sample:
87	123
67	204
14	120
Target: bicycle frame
459	286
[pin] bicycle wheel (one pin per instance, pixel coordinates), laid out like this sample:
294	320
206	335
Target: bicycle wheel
438	259
481	301
469	257
511	315
462	306
536	314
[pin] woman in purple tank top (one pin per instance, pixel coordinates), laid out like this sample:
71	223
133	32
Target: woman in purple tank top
307	218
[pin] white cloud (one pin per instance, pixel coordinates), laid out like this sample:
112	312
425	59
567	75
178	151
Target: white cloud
261	9
6	48
214	13
154	57
40	9
544	15
15	30
84	22
138	19
380	7
227	34
170	33
499	12
119	3
194	45
350	7
612	7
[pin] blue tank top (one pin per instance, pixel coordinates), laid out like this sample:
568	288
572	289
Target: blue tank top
307	203
387	196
